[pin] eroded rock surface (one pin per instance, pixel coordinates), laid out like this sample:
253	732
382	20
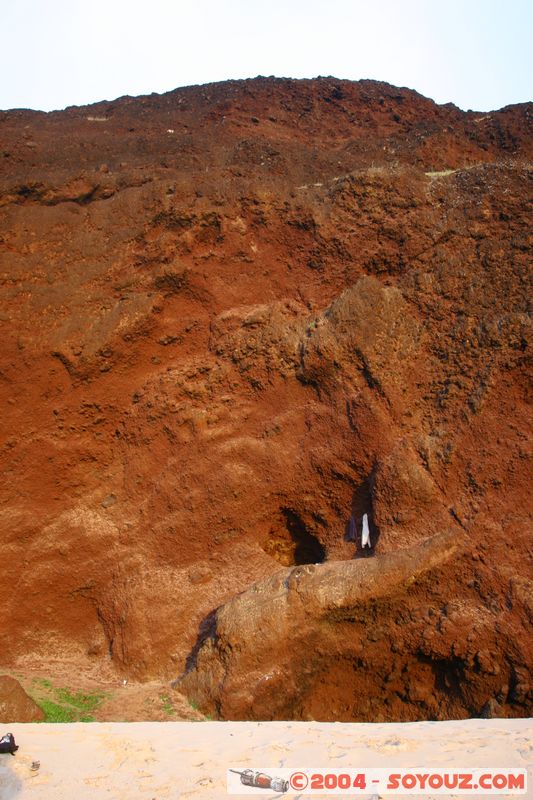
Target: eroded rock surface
15	704
235	317
266	649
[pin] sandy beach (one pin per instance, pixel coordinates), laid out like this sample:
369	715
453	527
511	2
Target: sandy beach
154	760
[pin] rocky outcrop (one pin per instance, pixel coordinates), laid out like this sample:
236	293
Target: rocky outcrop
15	704
237	318
264	648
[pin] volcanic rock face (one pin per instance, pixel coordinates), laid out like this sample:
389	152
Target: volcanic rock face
234	318
261	657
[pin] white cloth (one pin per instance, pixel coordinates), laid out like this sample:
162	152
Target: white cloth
365	535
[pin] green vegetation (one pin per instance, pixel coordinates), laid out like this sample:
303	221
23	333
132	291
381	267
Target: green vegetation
42	682
85	702
55	712
62	705
194	705
168	708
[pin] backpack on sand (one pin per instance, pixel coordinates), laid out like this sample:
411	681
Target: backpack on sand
7	744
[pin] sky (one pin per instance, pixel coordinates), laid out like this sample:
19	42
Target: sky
57	53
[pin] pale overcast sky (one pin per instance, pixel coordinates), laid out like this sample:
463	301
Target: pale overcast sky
56	53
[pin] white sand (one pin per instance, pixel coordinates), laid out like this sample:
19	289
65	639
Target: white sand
119	761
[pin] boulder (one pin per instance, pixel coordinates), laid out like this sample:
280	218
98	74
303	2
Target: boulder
265	647
15	704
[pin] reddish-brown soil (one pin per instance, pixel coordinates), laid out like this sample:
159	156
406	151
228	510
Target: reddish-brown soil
235	315
117	699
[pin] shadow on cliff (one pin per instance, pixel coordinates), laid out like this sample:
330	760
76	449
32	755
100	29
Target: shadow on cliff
206	630
362	504
308	549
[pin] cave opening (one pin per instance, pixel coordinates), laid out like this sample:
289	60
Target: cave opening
361	505
291	543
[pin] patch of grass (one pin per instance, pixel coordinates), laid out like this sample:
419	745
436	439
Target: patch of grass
42	682
168	708
84	702
56	713
62	705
